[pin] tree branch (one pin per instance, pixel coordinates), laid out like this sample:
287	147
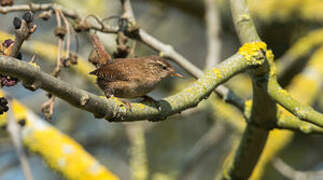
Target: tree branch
308	82
243	23
113	109
302	111
263	112
287	120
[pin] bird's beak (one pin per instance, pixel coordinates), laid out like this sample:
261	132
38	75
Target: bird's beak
176	74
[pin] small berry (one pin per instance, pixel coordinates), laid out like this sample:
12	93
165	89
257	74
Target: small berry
7	43
28	17
3	101
22	122
3	105
17	22
8	81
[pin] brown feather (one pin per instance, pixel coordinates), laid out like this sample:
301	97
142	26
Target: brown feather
132	77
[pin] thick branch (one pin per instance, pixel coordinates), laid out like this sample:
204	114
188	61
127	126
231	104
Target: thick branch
263	113
114	110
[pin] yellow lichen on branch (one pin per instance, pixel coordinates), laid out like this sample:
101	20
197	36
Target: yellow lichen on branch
63	154
60	152
251	50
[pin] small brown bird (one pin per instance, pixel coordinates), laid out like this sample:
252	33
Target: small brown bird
133	77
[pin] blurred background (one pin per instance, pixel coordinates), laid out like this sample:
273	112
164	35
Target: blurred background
193	144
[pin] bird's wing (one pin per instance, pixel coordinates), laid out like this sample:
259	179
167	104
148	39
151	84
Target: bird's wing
115	72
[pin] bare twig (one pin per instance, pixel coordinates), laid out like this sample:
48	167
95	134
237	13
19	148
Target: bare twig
23	30
60	33
291	173
201	149
211	137
213	27
15	132
21	35
127	11
48	107
68	35
82	21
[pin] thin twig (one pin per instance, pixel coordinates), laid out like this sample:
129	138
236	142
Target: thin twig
83	23
68	35
215	133
22	33
291	173
213	28
15	132
127	11
48	107
201	149
60	46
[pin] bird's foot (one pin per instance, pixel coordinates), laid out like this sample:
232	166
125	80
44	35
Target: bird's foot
127	103
150	100
120	102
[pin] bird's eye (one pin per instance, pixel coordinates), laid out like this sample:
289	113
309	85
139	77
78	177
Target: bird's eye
164	67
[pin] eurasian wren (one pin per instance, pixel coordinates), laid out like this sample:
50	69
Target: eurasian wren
132	77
